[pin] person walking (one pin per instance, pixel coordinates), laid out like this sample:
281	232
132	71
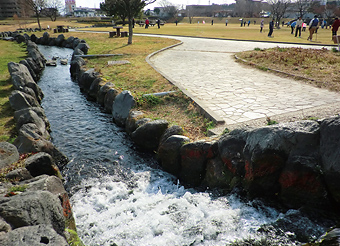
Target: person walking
226	22
298	27
261	25
335	26
212	22
313	25
158	23
271	28
176	21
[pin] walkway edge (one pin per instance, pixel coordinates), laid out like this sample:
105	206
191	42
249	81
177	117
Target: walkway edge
201	105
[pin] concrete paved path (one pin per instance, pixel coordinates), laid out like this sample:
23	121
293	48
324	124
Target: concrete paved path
234	94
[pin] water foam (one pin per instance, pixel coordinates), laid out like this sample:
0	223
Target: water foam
153	210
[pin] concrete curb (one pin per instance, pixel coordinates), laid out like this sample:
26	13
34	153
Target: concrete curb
201	105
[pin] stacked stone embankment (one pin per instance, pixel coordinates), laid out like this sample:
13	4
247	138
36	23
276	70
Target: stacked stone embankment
34	206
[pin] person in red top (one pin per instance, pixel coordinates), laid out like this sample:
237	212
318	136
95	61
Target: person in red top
335	26
147	22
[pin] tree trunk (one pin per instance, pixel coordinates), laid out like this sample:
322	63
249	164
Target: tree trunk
38	19
130	31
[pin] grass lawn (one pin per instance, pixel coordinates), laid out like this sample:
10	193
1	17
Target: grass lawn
233	31
9	51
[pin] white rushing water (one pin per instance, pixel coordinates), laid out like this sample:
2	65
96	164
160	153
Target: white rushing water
149	209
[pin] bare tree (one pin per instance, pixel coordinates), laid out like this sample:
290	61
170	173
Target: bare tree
53	8
302	7
37	7
170	9
278	8
128	8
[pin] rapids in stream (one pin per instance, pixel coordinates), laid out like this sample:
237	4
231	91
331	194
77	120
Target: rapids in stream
121	197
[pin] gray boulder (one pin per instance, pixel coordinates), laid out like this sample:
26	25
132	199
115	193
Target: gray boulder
75	67
302	184
70	40
75	42
84	47
87	78
20	39
45	38
19	174
219	176
8	154
21	77
173	130
38	110
169	153
33	208
20	100
330	155
41	163
33	235
36	55
59	40
194	158
148	135
77	52
20	74
268	149
30	139
33	38
131	121
54	185
30	116
35	67
4	227
102	92
109	99
231	151
25	63
121	107
94	88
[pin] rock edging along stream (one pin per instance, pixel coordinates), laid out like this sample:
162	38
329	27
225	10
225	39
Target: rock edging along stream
35	206
296	163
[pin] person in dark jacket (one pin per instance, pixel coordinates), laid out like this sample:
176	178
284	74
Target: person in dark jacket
271	28
335	26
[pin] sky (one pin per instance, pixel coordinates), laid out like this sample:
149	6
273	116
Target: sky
95	3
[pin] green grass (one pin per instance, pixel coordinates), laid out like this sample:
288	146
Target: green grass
10	51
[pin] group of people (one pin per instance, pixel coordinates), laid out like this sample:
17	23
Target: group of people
158	22
298	25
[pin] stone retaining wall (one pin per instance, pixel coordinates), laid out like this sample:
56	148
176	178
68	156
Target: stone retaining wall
35	207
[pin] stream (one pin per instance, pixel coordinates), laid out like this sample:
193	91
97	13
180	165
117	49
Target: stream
121	197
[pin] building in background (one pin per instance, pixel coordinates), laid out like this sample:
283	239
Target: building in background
10	8
70	6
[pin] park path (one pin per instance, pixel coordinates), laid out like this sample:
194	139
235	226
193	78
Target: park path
233	94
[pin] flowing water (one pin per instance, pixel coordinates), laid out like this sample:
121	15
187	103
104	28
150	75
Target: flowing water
119	195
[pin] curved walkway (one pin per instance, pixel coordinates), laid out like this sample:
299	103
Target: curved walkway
233	94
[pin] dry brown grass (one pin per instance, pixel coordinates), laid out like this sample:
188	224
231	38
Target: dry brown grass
319	67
